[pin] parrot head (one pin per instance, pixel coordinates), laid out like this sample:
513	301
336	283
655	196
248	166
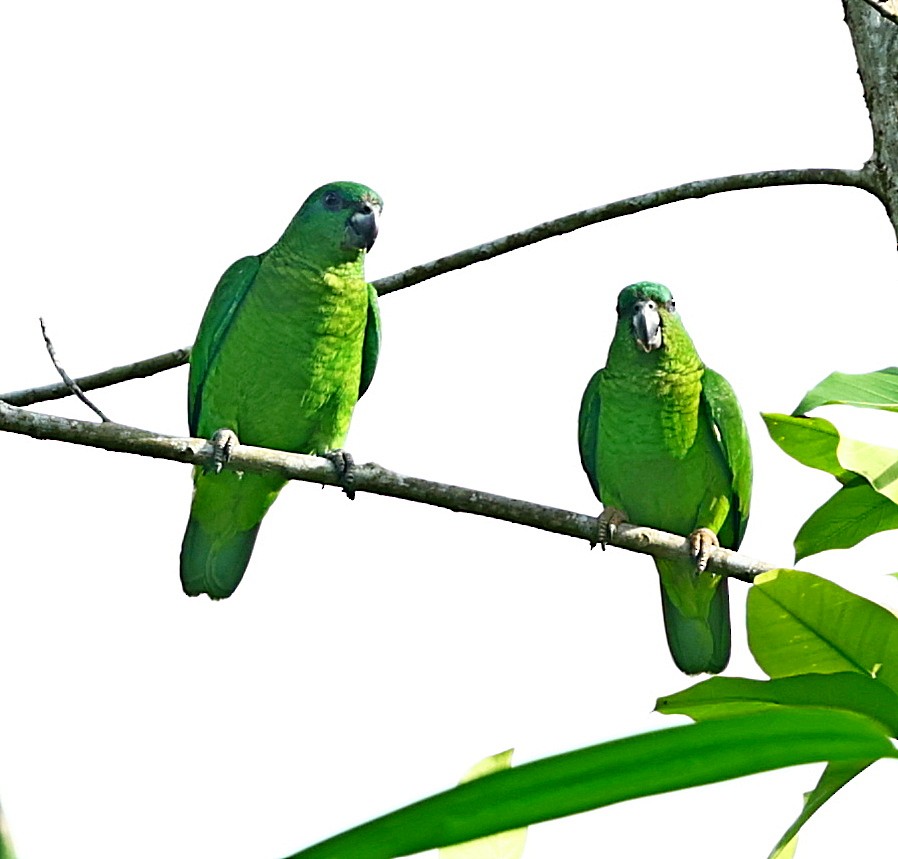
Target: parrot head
643	307
338	217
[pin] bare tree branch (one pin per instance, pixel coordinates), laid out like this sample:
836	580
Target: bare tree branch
629	206
124	373
368	477
863	179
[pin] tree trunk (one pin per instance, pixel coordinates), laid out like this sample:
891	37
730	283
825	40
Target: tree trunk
876	47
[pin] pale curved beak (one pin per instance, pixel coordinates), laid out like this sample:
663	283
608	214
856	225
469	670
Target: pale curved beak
647	326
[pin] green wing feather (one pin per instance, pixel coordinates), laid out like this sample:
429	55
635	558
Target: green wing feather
588	430
371	345
723	409
226	299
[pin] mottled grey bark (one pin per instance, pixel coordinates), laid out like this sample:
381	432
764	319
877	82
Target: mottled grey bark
875	38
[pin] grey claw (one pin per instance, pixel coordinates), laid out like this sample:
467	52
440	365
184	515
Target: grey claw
345	466
223	443
608	521
703	541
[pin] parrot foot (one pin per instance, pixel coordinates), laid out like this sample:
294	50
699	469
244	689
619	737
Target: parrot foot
608	521
702	541
223	443
345	465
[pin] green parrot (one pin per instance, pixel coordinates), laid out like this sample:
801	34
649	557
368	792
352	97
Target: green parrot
287	345
664	444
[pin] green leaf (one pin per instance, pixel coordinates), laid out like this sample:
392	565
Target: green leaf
868	501
727	696
799	623
834	777
854	513
502	845
877	464
811	441
877	390
643	765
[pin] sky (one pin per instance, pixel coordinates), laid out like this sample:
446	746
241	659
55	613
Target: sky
377	649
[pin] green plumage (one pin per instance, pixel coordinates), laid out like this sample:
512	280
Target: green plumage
663	440
287	345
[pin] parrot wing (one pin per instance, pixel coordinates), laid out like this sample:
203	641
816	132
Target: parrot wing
371	345
722	408
588	430
227	298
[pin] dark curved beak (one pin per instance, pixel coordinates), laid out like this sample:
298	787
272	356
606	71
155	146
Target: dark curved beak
647	326
361	227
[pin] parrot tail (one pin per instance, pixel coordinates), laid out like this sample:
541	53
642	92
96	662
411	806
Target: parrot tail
214	567
699	640
225	515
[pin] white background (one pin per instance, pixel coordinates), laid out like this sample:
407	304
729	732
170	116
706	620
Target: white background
377	649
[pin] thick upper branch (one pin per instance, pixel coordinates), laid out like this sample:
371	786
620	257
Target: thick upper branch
367	478
620	208
629	206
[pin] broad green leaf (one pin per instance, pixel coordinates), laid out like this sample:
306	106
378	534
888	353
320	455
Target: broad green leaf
834	777
878	465
799	623
811	441
643	765
877	390
502	845
868	501
854	513
726	696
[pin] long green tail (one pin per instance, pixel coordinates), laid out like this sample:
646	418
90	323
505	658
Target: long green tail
696	617
214	567
225	516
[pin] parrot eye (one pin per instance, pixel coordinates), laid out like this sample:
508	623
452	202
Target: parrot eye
332	201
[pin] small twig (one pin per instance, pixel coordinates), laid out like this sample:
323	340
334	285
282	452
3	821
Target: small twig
66	378
369	477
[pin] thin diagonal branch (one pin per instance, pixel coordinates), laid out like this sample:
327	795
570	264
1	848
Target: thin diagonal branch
368	477
863	179
67	380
